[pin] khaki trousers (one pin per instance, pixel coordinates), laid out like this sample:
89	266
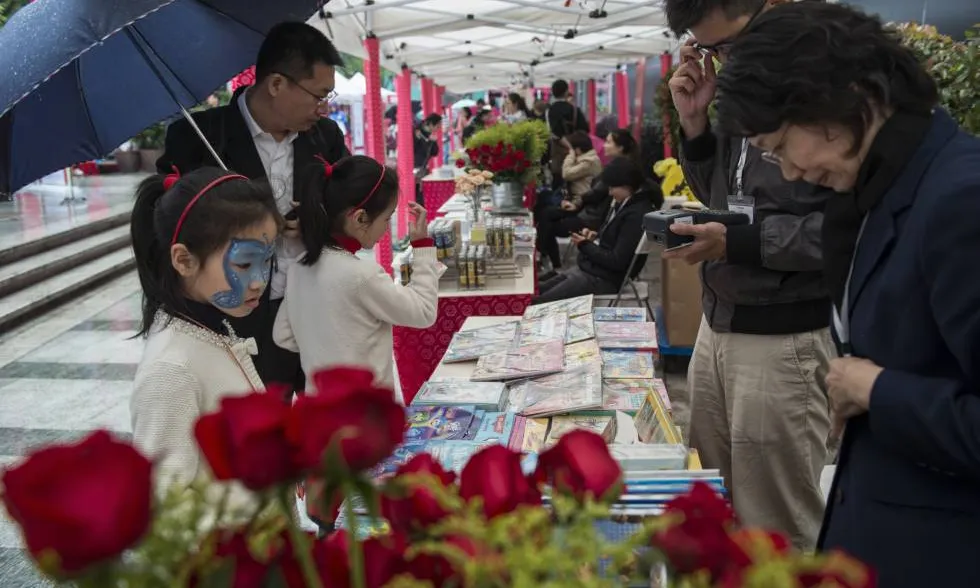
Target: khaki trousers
759	413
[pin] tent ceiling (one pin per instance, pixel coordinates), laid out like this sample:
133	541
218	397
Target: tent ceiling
471	45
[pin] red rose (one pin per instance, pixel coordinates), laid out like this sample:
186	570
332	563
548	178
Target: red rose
84	502
441	570
580	465
494	475
248	572
347	409
384	559
701	540
246	441
460	163
418	507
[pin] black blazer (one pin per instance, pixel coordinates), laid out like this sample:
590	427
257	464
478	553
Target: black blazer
610	259
228	133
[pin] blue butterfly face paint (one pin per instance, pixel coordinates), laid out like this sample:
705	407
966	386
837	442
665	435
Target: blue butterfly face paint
247	264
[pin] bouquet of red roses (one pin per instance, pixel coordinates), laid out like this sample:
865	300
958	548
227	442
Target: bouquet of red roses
89	517
506	162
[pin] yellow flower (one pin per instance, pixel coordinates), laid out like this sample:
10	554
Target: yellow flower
663	167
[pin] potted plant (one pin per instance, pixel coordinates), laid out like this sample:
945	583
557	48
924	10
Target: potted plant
150	144
512	153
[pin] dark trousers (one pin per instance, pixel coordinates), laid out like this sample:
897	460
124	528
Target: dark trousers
274	364
571	283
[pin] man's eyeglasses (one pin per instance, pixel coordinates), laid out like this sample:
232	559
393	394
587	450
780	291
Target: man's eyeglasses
770	157
320	100
724	47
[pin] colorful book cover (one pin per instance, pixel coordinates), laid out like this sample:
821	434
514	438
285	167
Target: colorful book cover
626	335
627	365
661	387
563	424
620	315
460	392
475	343
580	328
582	353
527	361
439	422
535	434
570	307
653	423
625	395
647	457
402	454
497	426
569	391
543	330
516	442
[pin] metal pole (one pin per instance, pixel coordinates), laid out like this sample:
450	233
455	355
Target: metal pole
139	47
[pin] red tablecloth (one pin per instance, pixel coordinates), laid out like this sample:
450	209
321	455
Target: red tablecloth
435	193
419	351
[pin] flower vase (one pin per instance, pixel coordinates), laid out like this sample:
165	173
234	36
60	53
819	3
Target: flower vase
508	195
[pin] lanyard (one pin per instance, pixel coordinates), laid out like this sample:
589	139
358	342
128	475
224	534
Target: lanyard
740	168
842	317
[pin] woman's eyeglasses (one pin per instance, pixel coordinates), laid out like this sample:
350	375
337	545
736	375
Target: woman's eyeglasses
320	100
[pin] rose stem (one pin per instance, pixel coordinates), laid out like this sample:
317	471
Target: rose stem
353	545
301	543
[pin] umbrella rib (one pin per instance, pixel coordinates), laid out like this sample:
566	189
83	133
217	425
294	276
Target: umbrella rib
88	113
233	19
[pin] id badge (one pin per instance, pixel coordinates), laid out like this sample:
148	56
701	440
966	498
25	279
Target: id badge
742	204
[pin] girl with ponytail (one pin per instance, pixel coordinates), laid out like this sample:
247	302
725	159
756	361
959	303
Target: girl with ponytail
339	309
203	245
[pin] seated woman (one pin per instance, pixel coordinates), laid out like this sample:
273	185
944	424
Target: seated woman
604	256
515	108
580	168
834	99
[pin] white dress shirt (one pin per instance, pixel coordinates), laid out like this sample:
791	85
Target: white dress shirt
277	159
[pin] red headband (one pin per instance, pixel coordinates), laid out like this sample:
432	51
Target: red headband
328	173
204	190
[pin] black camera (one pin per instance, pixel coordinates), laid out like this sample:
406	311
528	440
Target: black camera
657	224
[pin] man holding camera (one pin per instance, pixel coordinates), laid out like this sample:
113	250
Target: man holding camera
759	408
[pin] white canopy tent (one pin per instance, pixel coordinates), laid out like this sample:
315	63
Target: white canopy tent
471	45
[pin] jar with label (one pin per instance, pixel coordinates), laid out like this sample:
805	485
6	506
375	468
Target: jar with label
481	267
461	269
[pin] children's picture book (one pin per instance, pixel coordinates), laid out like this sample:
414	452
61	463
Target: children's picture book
626	335
649	457
625	395
475	343
563	424
661	387
535	435
402	454
542	330
580	328
627	365
582	353
619	314
459	392
439	422
569	391
494	426
570	307
527	361
653	422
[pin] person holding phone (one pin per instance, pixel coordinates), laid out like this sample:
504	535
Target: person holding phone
763	296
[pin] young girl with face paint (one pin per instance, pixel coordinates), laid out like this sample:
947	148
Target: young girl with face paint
204	248
339	309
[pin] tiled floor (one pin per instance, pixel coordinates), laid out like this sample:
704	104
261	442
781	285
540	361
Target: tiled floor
61	377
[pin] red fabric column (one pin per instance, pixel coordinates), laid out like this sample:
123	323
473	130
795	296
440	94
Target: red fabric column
641	76
426	87
405	151
622	99
571	91
374	111
590	99
666	62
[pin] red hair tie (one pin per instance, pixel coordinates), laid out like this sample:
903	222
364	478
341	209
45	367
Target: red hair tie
373	190
193	201
327	167
170	179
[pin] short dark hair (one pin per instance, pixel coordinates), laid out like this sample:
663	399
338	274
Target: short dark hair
624	138
293	48
580	140
226	209
559	89
325	201
815	63
622	172
683	15
433	119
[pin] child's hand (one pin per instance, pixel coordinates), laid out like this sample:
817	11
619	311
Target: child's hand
418	227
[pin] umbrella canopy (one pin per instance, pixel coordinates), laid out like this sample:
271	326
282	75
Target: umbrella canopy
83	76
464	103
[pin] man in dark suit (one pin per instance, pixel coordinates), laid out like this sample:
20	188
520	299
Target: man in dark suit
275	130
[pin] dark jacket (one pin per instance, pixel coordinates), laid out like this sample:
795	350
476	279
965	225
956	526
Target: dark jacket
424	148
770	281
905	495
226	130
595	202
610	258
564	118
